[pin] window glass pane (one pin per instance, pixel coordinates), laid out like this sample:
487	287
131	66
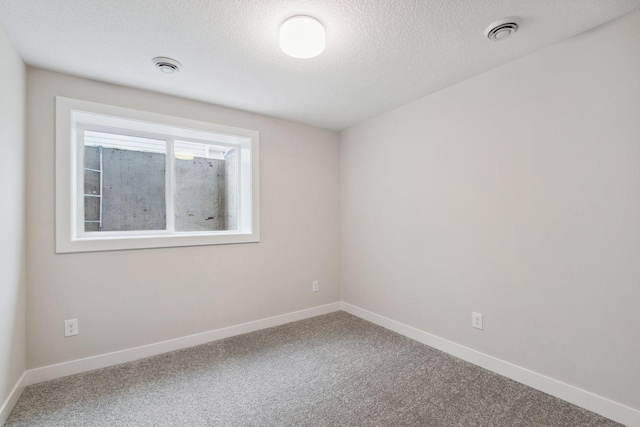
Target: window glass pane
124	182
91	208
92	181
205	187
92	226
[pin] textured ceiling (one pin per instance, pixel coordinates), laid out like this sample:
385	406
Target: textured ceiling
380	53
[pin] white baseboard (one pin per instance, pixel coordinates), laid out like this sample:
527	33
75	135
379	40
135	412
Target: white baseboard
50	372
590	401
585	399
12	399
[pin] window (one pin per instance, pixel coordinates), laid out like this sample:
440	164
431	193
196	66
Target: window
128	179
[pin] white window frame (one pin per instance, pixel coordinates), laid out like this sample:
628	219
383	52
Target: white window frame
70	234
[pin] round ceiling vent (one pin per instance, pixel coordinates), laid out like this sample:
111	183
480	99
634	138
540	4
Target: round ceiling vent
502	29
167	65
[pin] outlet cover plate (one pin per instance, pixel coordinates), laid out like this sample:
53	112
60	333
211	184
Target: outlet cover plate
70	327
476	320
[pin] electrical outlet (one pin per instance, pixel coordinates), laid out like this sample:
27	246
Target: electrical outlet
316	286
476	320
70	327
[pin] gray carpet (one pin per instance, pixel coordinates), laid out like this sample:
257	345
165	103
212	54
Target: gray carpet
332	370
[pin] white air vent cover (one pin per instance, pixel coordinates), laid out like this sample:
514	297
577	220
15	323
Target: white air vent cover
167	65
502	29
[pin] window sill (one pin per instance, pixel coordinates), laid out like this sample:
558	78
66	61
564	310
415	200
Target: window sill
115	243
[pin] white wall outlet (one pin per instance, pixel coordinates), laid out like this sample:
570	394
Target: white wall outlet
476	320
70	327
316	286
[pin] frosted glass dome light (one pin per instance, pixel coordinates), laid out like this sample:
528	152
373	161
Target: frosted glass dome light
302	37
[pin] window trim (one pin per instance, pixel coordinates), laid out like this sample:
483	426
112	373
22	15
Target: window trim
69	238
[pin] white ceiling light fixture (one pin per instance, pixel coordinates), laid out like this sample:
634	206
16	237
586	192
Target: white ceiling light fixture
167	65
502	28
302	37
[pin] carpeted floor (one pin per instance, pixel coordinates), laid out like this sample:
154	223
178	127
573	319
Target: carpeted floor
331	370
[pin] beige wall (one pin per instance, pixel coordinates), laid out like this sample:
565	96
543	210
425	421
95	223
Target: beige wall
516	194
12	227
125	299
